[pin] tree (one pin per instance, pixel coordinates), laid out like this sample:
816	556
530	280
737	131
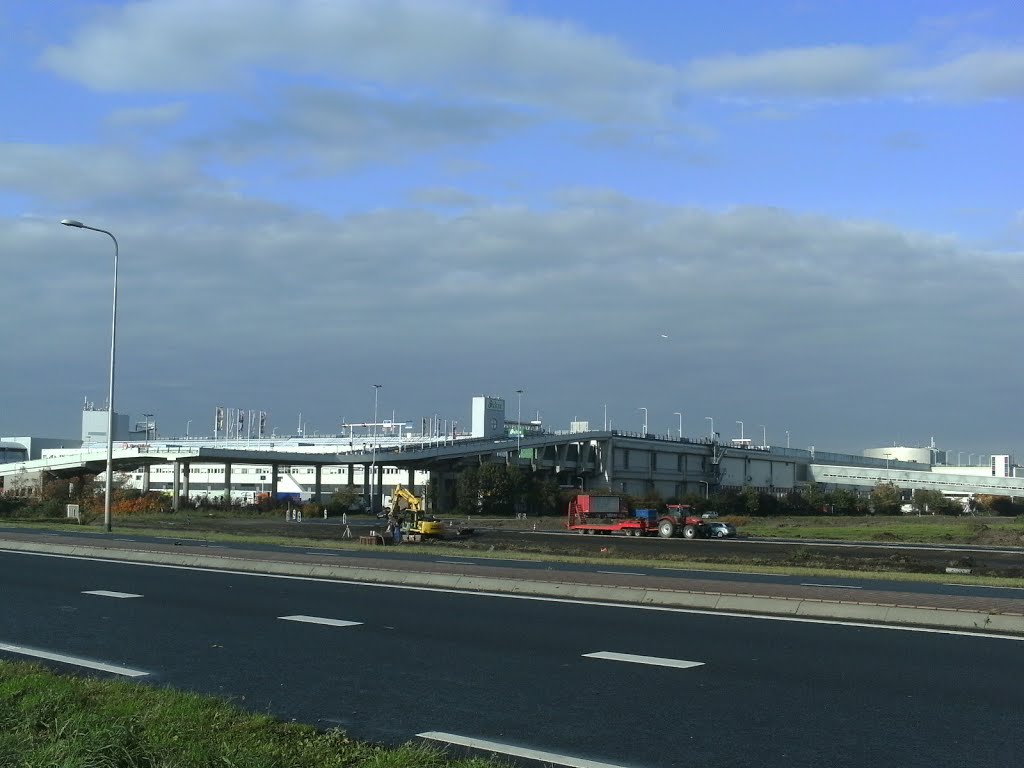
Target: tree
886	499
844	501
490	489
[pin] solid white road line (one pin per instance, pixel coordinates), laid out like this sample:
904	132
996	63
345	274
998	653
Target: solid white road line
652	660
455	562
552	758
75	660
623	573
980	586
321	620
106	593
833	586
533	598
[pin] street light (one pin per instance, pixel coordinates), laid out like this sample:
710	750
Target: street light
958	455
764	437
741	429
887	455
712	433
108	486
188	424
373	460
641	408
707	488
677	413
970	459
787	438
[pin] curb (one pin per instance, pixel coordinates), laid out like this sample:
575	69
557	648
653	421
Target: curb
795	607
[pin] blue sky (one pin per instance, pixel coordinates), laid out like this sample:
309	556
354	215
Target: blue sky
817	203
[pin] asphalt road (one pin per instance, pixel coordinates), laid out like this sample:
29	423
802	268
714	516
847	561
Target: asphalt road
766	692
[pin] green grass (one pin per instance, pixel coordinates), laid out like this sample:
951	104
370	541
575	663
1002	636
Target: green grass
911	529
52	720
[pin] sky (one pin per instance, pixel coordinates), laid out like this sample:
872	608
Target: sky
800	220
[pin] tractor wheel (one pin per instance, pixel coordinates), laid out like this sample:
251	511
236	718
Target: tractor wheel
690	532
666	529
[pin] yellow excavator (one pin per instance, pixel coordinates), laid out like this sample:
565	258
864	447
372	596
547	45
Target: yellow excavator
410	508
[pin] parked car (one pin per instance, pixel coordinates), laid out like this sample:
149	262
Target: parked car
719	530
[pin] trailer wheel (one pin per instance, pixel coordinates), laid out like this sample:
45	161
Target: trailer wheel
690	532
666	529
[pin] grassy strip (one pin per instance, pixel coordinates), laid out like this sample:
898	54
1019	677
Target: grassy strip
911	530
613	558
53	720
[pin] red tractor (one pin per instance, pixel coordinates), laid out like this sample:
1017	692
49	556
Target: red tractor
680	519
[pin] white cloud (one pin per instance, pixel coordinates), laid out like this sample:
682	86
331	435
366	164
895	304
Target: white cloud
321	130
292	308
977	75
856	71
469	48
147	116
836	71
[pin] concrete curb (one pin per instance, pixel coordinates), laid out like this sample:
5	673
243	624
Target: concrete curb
811	609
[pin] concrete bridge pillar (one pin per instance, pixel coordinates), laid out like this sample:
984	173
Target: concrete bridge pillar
176	485
227	483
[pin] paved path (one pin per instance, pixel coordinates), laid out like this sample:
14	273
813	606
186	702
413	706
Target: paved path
827	602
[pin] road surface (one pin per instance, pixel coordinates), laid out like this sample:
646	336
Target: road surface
558	677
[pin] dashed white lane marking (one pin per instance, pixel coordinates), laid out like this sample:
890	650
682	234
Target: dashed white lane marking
552	758
456	562
655	661
531	598
107	593
686	571
117	539
624	573
321	620
75	660
833	586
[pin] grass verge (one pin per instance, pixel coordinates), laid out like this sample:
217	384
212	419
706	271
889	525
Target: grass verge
48	719
613	557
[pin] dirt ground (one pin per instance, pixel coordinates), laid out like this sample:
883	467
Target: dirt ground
517	536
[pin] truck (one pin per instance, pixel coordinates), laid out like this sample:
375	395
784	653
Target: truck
599	514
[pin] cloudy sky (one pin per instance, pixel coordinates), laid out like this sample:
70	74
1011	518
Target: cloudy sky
797	214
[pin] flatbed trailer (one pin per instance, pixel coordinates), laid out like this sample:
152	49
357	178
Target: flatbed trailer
630	526
600	514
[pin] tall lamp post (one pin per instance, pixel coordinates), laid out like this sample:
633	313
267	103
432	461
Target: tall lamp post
108	486
764	437
680	415
741	429
373	460
708	418
641	408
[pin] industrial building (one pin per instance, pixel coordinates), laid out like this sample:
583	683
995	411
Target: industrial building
242	469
